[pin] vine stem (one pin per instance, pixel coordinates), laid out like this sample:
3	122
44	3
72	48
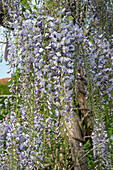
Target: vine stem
88	153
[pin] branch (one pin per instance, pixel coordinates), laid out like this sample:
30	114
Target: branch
88	153
84	117
7	95
78	139
81	109
49	164
3	42
5	26
6	48
78	165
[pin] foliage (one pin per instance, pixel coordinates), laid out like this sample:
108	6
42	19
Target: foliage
4	90
51	57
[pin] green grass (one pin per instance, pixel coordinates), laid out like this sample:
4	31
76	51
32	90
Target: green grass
4	89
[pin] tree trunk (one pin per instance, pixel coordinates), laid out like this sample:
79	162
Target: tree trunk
78	136
76	142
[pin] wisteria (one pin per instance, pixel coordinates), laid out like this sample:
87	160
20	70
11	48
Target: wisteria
49	56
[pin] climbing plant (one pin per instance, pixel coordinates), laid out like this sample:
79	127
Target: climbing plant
62	93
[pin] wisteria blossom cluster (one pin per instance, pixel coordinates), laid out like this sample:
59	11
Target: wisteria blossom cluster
48	52
100	138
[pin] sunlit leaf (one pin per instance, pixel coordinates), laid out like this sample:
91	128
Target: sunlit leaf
49	3
23	2
70	18
36	1
89	123
55	4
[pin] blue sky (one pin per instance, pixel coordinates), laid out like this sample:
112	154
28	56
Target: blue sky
3	70
3	66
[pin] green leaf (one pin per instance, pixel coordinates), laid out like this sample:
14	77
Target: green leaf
23	2
55	4
27	5
89	123
36	2
49	3
89	155
34	7
2	117
84	127
69	18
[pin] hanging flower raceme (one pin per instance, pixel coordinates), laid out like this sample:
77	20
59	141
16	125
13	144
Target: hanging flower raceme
43	51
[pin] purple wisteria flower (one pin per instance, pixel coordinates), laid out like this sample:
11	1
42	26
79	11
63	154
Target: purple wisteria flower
48	53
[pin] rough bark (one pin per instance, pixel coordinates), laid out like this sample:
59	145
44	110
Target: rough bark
78	136
86	113
75	132
76	142
6	52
